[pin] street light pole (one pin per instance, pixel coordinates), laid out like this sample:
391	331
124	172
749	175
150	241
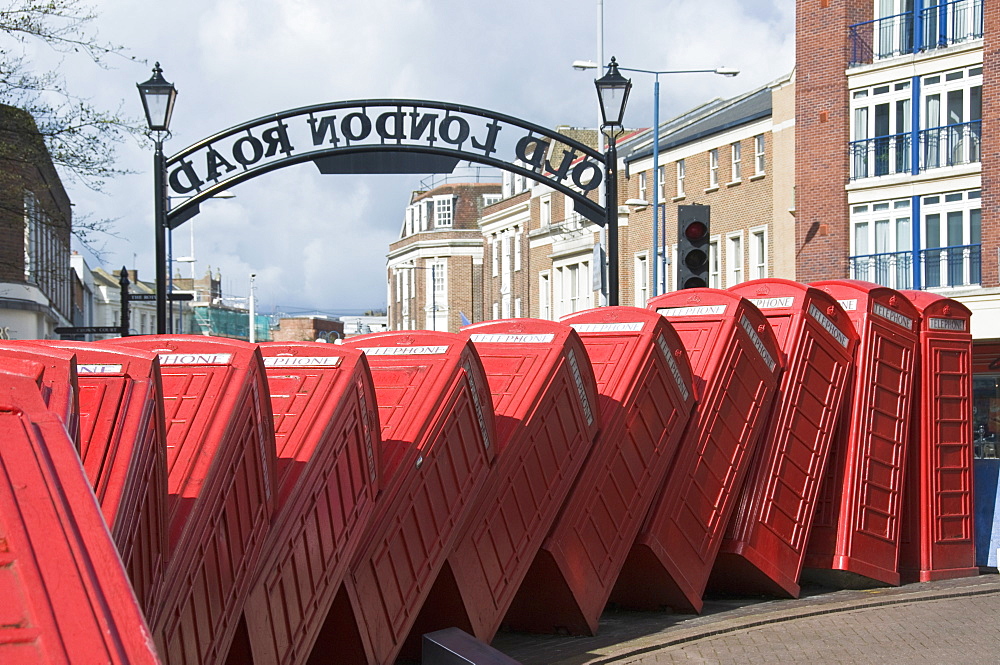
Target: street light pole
612	92
659	225
158	97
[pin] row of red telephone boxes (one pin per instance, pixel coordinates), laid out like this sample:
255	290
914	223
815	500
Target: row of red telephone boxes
197	500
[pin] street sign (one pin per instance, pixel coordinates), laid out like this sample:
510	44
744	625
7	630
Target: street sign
89	330
150	297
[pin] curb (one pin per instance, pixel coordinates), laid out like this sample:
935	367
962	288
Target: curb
672	637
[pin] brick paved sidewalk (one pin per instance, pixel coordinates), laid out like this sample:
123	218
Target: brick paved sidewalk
934	622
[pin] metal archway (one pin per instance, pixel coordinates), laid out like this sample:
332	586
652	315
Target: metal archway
382	136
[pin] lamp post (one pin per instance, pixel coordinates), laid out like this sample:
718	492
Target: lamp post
612	93
158	98
659	226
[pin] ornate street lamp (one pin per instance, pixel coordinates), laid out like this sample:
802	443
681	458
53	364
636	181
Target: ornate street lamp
158	98
612	93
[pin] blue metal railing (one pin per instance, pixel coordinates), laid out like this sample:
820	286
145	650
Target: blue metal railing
958	265
937	26
883	155
950	23
951	145
892	269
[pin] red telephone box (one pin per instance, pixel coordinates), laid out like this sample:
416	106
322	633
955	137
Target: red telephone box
438	442
56	380
938	540
66	596
766	540
123	449
545	402
646	394
856	526
220	478
327	437
736	363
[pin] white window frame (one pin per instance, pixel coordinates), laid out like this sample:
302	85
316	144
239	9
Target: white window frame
495	251
517	249
881	230
681	169
963	203
736	153
642	185
713	168
545	211
714	263
444	211
545	295
661	182
758	252
735	268
641	279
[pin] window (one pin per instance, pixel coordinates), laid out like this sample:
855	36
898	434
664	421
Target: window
505	254
496	311
952	234
680	177
517	308
714	277
734	259
642	185
641	279
882	243
490	199
661	182
517	250
544	294
572	288
737	154
880	132
443	211
758	154
437	304
758	253
713	168
545	212
496	255
951	125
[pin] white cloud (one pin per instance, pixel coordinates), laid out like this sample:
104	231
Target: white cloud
320	241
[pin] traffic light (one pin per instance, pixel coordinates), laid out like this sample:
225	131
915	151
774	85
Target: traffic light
692	246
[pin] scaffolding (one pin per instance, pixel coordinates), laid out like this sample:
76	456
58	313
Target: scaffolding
221	321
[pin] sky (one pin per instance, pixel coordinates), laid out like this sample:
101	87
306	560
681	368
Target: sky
319	242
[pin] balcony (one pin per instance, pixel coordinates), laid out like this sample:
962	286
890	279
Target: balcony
955	266
937	26
951	145
883	155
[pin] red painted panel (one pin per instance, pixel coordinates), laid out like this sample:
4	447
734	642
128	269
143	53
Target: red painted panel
938	540
856	529
438	441
646	396
327	438
737	363
66	596
123	443
766	540
56	380
220	478
545	402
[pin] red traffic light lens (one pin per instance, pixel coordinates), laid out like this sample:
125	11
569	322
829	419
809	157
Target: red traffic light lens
695	231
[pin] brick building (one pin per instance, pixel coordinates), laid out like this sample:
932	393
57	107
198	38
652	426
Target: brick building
734	155
434	271
35	230
893	156
897	161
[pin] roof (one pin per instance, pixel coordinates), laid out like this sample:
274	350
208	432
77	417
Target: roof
707	119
